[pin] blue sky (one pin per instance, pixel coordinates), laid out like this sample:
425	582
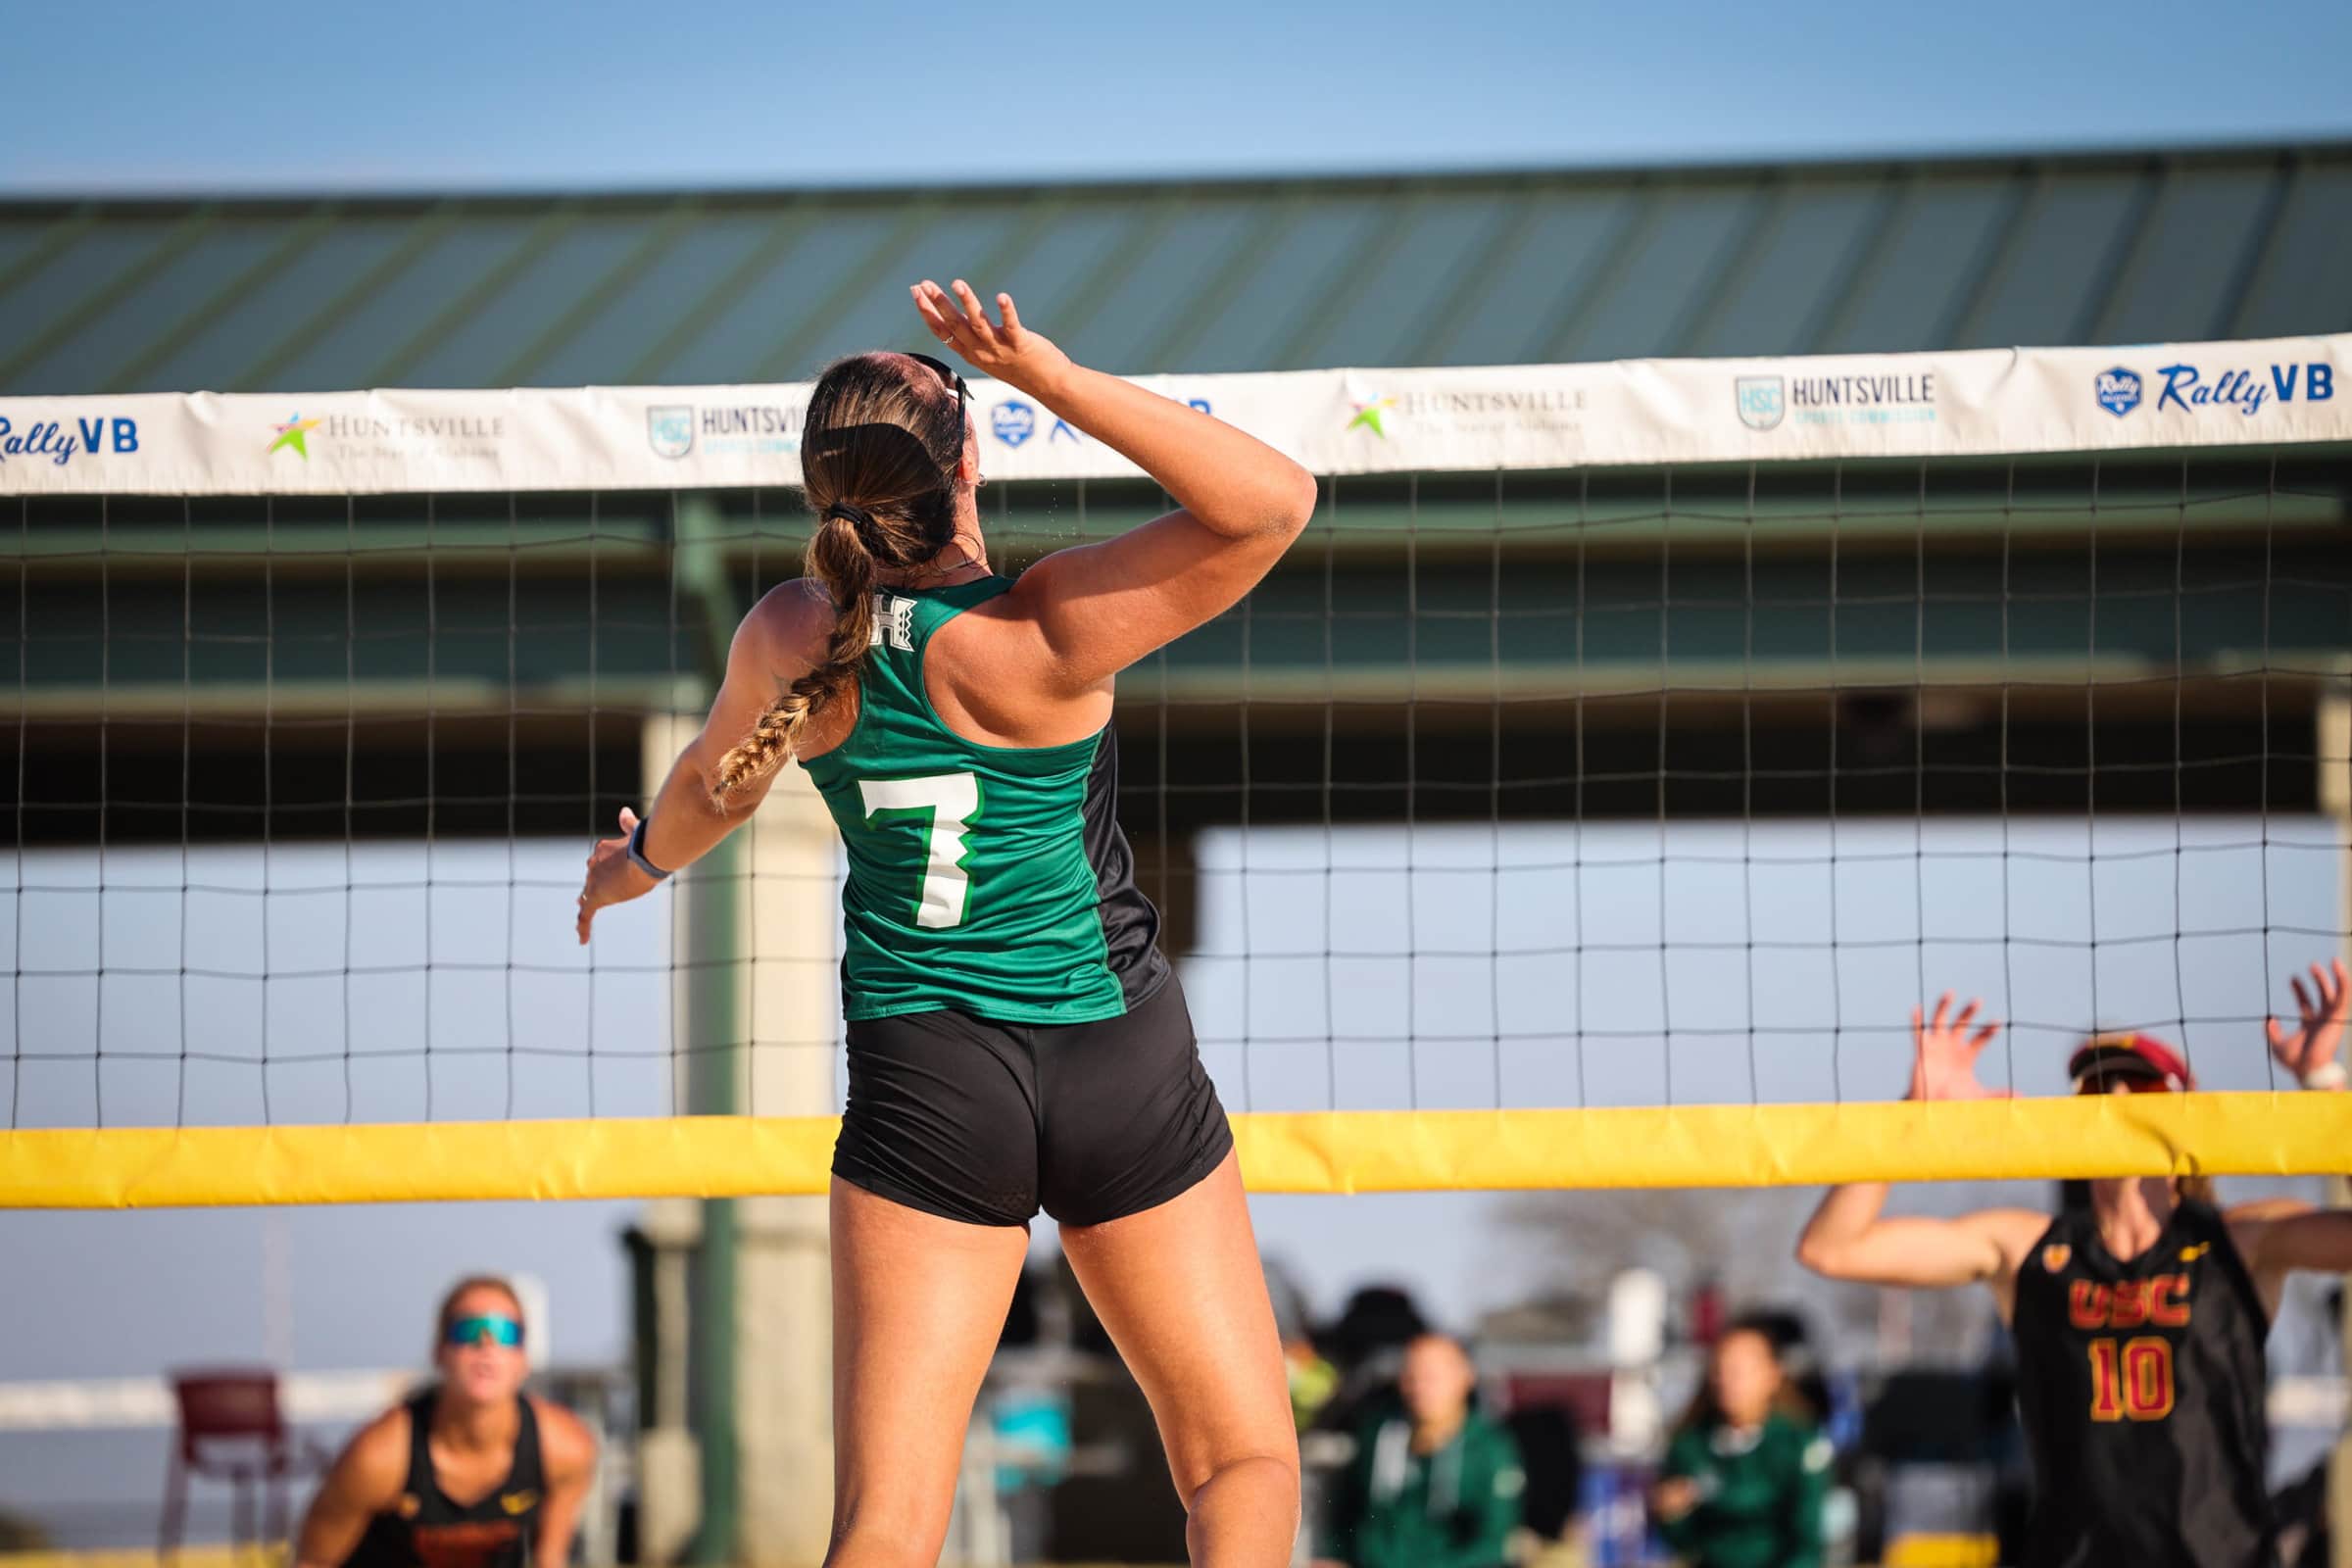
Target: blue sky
433	95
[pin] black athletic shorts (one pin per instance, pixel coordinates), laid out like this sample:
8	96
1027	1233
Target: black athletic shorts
988	1122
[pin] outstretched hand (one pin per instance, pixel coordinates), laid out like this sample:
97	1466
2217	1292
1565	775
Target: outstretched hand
1944	1065
1004	351
2310	1047
612	877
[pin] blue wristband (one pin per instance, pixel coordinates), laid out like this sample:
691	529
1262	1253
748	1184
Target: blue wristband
637	851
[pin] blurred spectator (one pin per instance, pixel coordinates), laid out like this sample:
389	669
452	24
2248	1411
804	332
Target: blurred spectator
1552	1455
1745	1475
1366	1347
1435	1486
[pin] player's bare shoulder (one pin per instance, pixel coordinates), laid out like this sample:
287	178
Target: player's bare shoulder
373	1466
790	626
566	1445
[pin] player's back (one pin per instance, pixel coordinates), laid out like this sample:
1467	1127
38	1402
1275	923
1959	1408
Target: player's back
989	879
2141	1386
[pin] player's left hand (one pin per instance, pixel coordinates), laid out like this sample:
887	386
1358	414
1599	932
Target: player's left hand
2325	1007
612	877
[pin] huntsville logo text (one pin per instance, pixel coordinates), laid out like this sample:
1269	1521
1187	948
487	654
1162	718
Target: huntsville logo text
408	427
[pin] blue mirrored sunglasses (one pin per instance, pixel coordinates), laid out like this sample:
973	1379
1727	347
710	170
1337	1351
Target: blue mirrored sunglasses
484	1331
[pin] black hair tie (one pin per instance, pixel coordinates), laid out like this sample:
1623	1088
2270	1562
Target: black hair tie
859	517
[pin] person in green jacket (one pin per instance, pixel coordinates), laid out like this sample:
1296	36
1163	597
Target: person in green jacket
1434	1484
1745	1475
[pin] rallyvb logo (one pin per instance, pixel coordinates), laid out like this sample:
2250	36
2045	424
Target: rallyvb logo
2194	389
61	441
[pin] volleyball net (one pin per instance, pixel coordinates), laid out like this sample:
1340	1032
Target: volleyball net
1585	801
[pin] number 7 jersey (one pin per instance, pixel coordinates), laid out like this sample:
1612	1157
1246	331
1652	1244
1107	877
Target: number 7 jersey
993	880
2142	1386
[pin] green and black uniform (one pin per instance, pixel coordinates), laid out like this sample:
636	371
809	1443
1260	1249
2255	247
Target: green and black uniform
1759	1495
1016	1039
1454	1508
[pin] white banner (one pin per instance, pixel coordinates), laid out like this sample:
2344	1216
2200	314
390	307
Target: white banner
1634	411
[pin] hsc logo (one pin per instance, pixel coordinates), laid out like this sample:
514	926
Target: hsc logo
1762	400
62	442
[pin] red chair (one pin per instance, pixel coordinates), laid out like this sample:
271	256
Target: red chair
230	1430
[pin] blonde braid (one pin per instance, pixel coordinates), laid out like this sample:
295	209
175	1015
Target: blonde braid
838	559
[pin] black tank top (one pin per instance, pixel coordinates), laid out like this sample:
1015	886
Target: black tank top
427	1529
2141	1386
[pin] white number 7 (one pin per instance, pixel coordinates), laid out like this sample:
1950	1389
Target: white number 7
950	800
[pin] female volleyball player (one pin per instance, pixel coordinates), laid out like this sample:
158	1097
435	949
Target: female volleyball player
471	1473
2139	1321
1015	1039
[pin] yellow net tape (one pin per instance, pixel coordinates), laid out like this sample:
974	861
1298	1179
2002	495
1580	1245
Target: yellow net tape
2275	1134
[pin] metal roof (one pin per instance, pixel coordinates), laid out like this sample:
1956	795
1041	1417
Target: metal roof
296	295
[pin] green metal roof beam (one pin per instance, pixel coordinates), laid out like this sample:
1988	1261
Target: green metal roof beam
819	318
1644	212
2029	192
297	340
1867	263
45	250
657	244
2263	254
2127	254
785	233
1336	297
296	240
1213	300
173	245
1477	277
1071	315
1767	213
552	226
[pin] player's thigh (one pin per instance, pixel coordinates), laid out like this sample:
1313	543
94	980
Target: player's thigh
918	1304
1184	1295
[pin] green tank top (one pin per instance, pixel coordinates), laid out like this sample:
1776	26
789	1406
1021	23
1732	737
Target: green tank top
989	879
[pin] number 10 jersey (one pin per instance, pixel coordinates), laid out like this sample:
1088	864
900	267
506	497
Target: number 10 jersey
2142	1385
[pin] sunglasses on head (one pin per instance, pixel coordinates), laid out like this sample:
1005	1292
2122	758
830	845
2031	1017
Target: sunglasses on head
948	377
488	1329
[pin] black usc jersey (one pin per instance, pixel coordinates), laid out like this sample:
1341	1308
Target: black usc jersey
2142	1385
427	1529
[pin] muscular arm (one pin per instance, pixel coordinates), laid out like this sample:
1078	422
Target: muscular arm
2279	1236
684	823
568	1451
365	1480
1098	609
1849	1238
769	653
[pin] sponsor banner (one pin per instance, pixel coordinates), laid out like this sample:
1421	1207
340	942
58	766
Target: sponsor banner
1639	411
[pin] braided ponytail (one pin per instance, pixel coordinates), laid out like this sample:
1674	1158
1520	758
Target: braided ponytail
873	430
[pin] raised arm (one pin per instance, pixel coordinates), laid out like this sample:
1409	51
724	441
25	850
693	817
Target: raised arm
1849	1238
685	820
1100	607
365	1479
2279	1236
